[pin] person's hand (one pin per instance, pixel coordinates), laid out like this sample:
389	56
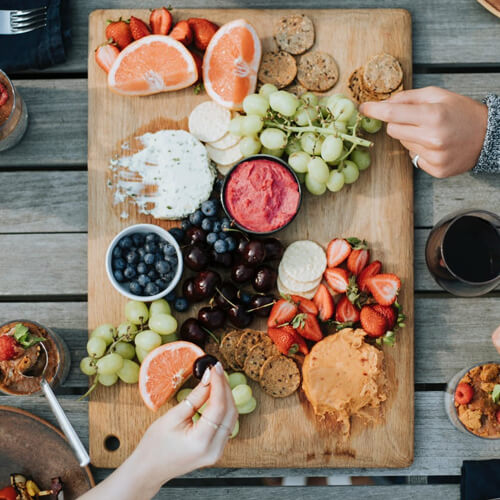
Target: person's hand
445	129
496	339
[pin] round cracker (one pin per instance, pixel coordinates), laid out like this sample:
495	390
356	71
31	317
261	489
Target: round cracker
283	290
294	33
209	121
297	89
213	348
228	348
317	71
278	68
257	356
304	260
279	376
298	286
224	156
224	169
226	142
248	339
382	74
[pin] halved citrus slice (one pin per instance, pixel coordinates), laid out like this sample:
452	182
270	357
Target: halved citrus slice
231	63
152	64
164	371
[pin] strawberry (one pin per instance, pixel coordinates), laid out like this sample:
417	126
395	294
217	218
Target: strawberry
119	33
8	493
324	303
388	313
160	21
183	33
203	31
384	288
372	322
337	279
282	312
305	305
285	339
357	260
138	28
105	56
463	394
4	94
370	270
307	325
346	311
9	348
302	344
337	251
199	63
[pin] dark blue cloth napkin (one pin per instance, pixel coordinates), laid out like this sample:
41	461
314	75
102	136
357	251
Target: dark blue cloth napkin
480	480
40	48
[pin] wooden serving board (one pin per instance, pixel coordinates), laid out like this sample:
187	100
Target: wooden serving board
378	208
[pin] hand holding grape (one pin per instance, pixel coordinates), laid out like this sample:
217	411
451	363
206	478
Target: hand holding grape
445	129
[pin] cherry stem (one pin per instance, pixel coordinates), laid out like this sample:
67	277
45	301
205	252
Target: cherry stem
212	334
263	306
225	298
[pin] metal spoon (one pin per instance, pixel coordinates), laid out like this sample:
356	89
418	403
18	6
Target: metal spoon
62	419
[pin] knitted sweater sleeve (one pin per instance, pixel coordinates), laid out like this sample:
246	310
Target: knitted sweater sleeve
489	158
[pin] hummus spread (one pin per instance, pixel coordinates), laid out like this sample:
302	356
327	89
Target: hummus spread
262	195
343	376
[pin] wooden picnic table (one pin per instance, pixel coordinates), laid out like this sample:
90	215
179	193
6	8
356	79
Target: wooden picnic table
43	248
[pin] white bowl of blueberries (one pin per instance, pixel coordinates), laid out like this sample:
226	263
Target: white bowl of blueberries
144	262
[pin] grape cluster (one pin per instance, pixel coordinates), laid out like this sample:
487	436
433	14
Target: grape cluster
319	136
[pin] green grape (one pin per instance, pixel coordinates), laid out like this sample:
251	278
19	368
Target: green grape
299	160
249	146
107	380
371	125
311	143
267	89
301	176
235	125
125	350
96	347
251	125
331	149
343	109
109	364
340	127
183	394
88	367
331	100
293	146
313	186
353	119
283	102
106	332
226	375
350	171
338	161
236	429
273	152
310	98
129	372
318	169
256	104
202	408
241	394
166	339
126	330
141	353
136	312
323	104
237	378
335	181
305	115
362	158
196	417
160	306
247	407
147	340
273	138
164	324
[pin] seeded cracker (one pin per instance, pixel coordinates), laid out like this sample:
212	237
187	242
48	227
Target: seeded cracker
294	34
257	356
279	377
297	89
382	74
228	348
317	71
278	68
248	339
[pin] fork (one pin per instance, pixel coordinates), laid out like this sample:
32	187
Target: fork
15	22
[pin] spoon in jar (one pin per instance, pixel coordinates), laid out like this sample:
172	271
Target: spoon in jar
62	419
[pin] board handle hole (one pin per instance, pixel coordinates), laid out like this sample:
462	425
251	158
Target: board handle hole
111	443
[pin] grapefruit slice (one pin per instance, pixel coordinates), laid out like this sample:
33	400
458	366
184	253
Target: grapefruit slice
231	63
164	371
152	64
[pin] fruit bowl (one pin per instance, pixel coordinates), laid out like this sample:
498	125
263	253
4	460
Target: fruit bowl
144	229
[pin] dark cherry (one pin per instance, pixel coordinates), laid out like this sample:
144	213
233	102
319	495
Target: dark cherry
224	259
191	331
239	317
190	292
201	364
212	317
274	248
259	303
264	279
254	253
196	257
206	282
242	273
196	235
227	291
241	242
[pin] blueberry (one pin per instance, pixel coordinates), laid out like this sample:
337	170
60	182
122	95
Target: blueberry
209	207
172	260
153	275
132	257
138	239
141	252
149	259
125	242
196	217
161	284
185	224
142	268
169	276
169	249
231	243
161	244
143	280
222	235
212	238
151	238
135	288
171	296
119	264
118	275
218	185
217	227
151	289
220	246
129	272
177	233
117	252
151	247
226	223
162	267
245	297
207	224
181	304
159	256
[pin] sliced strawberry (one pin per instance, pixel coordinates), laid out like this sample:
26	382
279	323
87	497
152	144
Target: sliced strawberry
357	260
324	303
372	322
463	394
199	63
138	28
337	279
388	313
9	348
302	344
337	251
370	270
160	21
282	312
285	339
105	56
384	288
119	33
8	493
346	311
183	33
305	305
307	325
203	31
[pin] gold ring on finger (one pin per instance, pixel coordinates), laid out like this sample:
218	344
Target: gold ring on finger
209	422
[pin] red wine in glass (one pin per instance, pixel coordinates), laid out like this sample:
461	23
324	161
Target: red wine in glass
463	252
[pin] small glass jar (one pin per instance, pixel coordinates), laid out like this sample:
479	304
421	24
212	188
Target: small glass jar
13	115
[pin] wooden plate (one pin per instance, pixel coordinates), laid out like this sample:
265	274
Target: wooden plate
492	5
29	445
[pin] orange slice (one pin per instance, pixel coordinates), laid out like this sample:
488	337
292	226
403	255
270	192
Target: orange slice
164	371
152	64
231	63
